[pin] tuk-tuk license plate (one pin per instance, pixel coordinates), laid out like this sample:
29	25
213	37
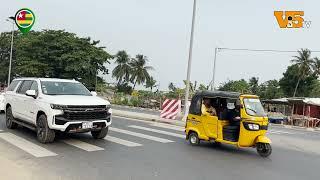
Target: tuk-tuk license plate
87	125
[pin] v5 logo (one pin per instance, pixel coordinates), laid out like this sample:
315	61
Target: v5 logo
290	19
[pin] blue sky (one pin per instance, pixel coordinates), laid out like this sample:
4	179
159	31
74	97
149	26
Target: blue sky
160	29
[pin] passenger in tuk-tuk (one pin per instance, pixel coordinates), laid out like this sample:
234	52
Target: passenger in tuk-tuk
233	114
207	108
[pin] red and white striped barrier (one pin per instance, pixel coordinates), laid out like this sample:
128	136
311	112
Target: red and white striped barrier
170	108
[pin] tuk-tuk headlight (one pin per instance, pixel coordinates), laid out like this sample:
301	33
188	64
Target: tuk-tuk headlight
254	126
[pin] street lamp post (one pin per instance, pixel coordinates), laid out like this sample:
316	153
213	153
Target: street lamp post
189	62
10	61
214	68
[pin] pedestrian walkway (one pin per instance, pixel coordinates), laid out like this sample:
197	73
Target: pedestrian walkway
130	136
121	141
26	145
158	131
139	133
82	145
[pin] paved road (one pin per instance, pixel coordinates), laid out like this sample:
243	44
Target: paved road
137	150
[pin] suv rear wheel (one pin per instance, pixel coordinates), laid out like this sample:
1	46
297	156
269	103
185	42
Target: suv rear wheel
9	119
44	133
100	134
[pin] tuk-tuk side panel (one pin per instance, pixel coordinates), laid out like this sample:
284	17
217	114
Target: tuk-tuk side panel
221	124
194	123
210	125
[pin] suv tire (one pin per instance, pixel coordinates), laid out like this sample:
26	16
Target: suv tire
9	119
44	133
100	134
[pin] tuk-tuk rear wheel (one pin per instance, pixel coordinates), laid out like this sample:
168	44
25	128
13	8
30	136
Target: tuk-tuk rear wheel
194	139
264	149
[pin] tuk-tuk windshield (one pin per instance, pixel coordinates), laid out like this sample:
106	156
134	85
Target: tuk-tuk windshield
253	107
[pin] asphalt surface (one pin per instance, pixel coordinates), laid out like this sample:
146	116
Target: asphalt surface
296	155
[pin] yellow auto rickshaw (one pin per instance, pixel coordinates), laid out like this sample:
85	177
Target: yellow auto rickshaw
238	119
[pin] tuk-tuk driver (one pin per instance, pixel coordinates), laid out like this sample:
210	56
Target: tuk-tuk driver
207	109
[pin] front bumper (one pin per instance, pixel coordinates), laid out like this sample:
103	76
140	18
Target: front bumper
75	126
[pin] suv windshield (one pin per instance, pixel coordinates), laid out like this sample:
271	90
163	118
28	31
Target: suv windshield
253	107
64	88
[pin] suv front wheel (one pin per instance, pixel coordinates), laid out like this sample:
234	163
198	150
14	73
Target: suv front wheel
44	133
100	134
9	119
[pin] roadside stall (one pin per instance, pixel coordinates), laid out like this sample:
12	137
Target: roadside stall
303	112
278	110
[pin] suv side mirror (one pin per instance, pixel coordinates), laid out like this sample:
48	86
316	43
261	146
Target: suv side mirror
94	93
31	93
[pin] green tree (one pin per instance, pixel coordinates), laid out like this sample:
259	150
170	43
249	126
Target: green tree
270	90
289	81
58	54
151	83
316	66
5	40
172	87
203	87
241	86
123	69
254	85
305	65
140	70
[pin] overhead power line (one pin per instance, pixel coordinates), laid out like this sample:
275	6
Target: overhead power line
260	50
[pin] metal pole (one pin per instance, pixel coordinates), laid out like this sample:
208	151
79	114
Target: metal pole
189	61
9	74
214	68
96	80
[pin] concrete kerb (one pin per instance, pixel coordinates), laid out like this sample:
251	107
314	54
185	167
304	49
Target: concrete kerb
295	127
146	117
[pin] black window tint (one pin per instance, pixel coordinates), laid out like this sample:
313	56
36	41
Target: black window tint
34	86
25	85
195	107
13	85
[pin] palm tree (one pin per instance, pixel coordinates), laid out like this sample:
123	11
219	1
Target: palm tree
304	63
316	66
139	73
151	83
122	71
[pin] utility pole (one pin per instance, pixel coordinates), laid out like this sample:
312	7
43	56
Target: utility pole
189	62
10	61
214	68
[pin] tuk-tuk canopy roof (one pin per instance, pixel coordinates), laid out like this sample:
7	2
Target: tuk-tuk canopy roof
225	94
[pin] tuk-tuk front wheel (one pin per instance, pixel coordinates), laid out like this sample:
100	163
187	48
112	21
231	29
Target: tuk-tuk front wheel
194	139
264	149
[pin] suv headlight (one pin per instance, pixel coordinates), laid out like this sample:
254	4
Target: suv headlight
57	106
108	107
254	126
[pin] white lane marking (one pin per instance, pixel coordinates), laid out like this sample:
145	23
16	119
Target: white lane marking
122	141
140	135
177	128
158	131
132	119
1	130
26	145
281	132
82	145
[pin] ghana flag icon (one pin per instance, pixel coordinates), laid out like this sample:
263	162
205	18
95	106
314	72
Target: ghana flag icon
25	19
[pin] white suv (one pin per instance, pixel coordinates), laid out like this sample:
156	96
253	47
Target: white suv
49	105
